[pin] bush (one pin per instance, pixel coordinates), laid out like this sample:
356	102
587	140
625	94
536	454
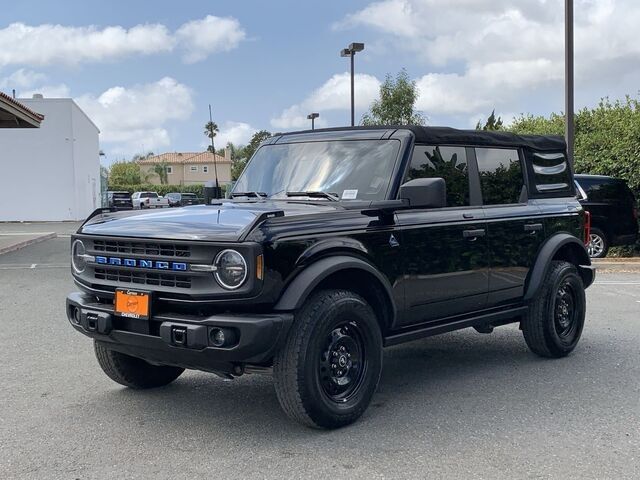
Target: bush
163	189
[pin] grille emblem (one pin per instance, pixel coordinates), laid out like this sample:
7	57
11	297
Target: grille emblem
134	262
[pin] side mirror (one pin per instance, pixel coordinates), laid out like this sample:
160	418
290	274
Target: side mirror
425	193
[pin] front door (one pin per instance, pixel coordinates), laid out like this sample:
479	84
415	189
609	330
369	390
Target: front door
445	250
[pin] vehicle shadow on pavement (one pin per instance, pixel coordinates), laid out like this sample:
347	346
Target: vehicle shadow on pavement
429	381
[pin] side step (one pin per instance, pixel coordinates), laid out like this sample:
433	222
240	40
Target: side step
488	319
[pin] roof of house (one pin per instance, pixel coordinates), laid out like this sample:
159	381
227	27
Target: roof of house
14	114
183	158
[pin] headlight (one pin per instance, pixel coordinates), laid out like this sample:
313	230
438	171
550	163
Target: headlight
231	269
78	256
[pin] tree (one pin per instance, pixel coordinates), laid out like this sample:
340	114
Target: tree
241	155
125	173
142	156
160	169
396	105
211	130
492	123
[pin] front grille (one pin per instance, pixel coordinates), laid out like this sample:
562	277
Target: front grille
142	248
143	278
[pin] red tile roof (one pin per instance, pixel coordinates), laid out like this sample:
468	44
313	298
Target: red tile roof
183	158
4	98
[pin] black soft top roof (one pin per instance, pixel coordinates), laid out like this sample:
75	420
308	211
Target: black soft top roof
452	136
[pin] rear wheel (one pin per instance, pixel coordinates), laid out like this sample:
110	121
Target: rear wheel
329	368
133	372
598	246
554	323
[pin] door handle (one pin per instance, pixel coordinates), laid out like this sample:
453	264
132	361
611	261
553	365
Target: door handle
533	227
473	234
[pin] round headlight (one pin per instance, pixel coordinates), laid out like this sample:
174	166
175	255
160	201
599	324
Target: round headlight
231	269
78	256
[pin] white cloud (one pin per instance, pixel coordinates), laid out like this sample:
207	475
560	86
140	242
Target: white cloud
334	94
48	44
201	38
498	53
48	91
130	118
22	78
238	133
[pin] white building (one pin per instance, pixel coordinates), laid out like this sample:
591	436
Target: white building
50	173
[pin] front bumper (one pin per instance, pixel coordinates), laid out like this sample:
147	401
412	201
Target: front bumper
182	340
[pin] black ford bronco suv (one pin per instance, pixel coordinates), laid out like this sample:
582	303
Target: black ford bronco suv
335	244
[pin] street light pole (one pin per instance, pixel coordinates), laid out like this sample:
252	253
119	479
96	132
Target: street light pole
312	117
570	128
351	52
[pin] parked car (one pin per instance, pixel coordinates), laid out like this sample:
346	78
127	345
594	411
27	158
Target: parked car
182	199
614	214
119	200
335	244
144	200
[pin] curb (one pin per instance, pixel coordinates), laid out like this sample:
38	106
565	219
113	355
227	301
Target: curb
32	241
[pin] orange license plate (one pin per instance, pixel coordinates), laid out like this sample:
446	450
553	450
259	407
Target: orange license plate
132	304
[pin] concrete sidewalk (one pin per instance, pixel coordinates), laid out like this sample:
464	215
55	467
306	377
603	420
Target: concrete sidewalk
618	265
34	228
10	242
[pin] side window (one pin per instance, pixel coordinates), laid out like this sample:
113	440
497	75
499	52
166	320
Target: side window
500	175
449	163
551	172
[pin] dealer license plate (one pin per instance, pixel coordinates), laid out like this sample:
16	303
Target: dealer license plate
132	303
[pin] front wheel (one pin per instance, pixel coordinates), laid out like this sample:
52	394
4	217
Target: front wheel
133	372
554	323
329	368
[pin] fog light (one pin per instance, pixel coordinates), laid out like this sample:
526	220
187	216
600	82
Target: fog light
217	337
75	315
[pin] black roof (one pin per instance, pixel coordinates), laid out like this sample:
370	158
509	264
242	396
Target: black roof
452	136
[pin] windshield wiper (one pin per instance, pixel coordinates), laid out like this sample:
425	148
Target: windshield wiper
249	194
329	196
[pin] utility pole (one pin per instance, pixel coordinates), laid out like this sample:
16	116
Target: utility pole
570	127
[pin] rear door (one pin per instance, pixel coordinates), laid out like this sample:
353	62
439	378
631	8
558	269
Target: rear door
445	249
515	228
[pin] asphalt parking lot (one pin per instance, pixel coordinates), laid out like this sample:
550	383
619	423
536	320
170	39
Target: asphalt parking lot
462	405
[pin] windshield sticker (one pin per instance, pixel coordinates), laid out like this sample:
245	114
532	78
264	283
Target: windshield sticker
349	194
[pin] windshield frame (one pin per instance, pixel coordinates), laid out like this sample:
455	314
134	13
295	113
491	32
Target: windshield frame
405	137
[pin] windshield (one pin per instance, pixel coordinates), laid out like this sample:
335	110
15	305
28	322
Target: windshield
349	169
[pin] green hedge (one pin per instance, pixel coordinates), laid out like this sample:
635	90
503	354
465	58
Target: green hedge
163	189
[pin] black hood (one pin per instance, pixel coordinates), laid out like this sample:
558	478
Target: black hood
226	222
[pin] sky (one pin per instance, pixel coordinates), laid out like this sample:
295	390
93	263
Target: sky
145	72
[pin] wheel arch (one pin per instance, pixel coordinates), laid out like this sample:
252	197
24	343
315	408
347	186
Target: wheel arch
342	271
561	246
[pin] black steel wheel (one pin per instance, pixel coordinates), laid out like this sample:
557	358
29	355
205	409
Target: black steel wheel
329	368
554	323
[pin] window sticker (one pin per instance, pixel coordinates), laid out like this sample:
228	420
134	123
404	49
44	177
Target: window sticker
349	194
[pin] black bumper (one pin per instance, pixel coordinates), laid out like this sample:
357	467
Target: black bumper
183	340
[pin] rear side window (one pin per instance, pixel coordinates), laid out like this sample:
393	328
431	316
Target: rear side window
449	163
612	190
551	172
500	175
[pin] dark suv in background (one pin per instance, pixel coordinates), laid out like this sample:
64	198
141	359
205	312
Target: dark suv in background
614	215
119	200
182	199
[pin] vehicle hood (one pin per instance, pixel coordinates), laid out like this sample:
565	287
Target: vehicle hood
225	222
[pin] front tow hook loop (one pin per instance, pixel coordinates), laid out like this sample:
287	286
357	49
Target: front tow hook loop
179	336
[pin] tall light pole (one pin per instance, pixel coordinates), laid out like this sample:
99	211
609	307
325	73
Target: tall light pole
351	52
570	128
312	117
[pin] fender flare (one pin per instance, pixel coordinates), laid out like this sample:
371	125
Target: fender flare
545	256
308	279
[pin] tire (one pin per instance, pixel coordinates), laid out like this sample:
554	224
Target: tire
554	323
133	372
329	368
598	244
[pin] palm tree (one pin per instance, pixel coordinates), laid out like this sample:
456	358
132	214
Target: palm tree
211	129
160	169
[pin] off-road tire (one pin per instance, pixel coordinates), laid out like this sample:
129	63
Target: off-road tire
543	325
133	372
299	382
